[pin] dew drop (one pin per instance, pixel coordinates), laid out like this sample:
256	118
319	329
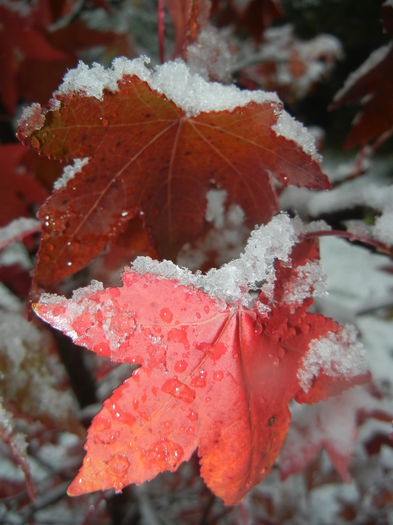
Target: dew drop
178	390
177	335
190	431
120	465
218	376
124	213
192	415
180	366
166	315
69	263
135	404
199	380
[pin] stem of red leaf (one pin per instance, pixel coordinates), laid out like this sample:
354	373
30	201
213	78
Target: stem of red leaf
353	237
161	30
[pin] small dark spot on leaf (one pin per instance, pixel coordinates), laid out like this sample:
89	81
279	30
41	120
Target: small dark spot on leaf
271	421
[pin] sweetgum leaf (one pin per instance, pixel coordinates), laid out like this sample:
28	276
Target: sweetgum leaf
216	377
149	155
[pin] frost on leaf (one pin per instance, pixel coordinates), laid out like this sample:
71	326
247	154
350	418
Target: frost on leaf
219	365
158	140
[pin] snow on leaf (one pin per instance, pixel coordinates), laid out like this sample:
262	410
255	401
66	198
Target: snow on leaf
158	139
216	375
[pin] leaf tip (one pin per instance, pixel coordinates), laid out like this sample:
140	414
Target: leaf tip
32	119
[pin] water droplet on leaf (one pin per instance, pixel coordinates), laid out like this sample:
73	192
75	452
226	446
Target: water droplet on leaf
178	390
166	315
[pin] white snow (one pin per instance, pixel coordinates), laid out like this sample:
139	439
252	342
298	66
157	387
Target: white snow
355	280
370	63
28	365
338	354
234	280
174	79
383	228
33	110
17	229
225	239
69	172
18	6
290	128
309	282
215	208
210	56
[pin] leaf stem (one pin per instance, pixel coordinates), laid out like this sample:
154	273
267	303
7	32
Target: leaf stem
161	30
353	237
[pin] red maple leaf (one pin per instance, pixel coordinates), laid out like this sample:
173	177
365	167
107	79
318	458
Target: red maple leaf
157	142
216	374
372	85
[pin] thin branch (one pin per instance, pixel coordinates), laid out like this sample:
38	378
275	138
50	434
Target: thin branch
353	237
161	30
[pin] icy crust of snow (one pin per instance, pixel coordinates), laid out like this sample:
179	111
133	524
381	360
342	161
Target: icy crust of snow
74	307
233	281
174	79
339	354
69	172
188	90
372	61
